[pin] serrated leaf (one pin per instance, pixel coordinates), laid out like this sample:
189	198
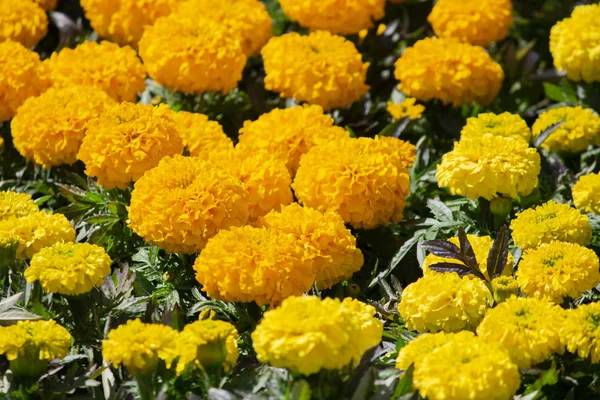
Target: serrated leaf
101	219
440	210
460	269
442	248
498	255
10	302
541	138
12	316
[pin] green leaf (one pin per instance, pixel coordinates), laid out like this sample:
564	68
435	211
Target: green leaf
101	219
405	385
440	210
300	391
559	94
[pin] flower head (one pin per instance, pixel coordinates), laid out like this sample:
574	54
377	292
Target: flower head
423	345
289	133
505	124
558	269
472	21
490	167
16	205
192	56
139	346
504	287
69	268
319	68
126	141
586	193
444	302
574	44
342	17
307	335
116	70
200	135
526	327
49	129
407	108
364	180
580	332
450	71
330	245
549	222
123	21
580	129
23	21
254	265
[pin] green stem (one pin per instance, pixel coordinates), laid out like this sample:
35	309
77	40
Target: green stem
484	213
145	387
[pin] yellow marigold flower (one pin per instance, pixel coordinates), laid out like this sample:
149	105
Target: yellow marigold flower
49	129
326	239
123	21
208	344
473	370
185	201
407	108
46	4
574	44
549	222
20	77
580	332
505	124
254	264
345	17
116	70
586	193
247	20
69	268
320	68
201	136
580	130
504	288
191	57
23	21
481	247
490	167
425	344
450	71
126	141
526	327
307	335
444	302
472	21
406	152
558	269
289	133
36	231
16	205
139	346
361	179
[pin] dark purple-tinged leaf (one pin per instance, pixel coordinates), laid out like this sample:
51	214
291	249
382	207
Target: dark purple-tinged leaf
498	254
460	269
547	132
466	251
442	248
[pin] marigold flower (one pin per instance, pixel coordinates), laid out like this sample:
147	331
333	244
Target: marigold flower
472	21
208	344
526	327
185	201
123	21
580	129
362	179
23	21
139	346
46	4
254	264
406	152
444	302
289	133
580	332
490	167
247	20
201	136
450	71
20	77
329	244
116	70
474	370
320	68
504	287
549	222
574	44
49	129
307	335
126	141
16	205
69	268
185	55
422	346
505	124
345	17
558	269
586	193
407	108
36	231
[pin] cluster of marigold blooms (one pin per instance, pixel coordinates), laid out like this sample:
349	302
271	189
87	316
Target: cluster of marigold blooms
234	205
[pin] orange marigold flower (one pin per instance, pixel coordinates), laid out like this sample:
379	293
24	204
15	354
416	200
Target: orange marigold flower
23	21
407	108
200	135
